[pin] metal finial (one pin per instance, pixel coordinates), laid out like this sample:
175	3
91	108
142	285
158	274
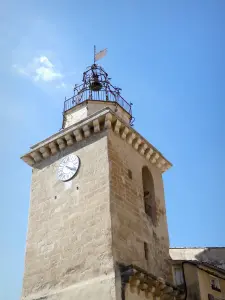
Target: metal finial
94	53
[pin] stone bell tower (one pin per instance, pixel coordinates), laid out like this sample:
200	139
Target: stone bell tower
97	220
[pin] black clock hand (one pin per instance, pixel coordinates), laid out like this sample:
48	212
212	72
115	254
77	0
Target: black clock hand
72	169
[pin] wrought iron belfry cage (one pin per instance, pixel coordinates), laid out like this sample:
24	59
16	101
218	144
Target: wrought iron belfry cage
96	86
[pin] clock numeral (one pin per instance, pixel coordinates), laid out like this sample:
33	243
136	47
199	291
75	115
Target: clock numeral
60	174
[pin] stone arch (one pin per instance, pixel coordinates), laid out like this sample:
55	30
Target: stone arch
149	194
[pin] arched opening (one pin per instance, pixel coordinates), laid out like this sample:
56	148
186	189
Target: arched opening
149	194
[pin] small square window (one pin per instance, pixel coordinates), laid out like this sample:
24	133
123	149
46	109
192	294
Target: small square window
146	250
130	174
215	283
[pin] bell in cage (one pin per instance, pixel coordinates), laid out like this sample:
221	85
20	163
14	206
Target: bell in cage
95	85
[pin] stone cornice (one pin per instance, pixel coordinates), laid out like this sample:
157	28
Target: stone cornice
103	119
152	286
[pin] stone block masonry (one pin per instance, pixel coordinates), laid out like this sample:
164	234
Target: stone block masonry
79	230
69	243
131	227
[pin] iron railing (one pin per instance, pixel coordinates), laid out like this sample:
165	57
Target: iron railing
101	95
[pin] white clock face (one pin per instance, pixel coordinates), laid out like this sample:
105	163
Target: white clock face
68	167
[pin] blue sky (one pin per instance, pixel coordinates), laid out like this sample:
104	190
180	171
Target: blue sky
169	59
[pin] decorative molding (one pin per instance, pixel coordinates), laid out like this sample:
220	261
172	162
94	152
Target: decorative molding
131	137
61	143
125	132
117	127
104	119
86	130
143	149
153	287
29	160
36	155
96	125
108	120
45	152
154	158
137	143
69	139
53	147
161	162
78	135
150	151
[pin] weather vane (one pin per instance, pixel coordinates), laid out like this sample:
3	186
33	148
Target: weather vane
100	54
96	86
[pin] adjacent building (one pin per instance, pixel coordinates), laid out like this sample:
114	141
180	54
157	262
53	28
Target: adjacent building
200	272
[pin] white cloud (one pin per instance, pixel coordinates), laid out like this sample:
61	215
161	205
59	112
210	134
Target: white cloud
41	69
45	61
46	74
61	85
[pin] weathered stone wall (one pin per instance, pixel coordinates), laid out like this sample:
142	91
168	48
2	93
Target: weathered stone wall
75	115
68	251
131	227
78	230
87	108
94	106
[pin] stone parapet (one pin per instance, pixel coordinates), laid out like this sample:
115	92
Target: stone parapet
104	119
147	286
